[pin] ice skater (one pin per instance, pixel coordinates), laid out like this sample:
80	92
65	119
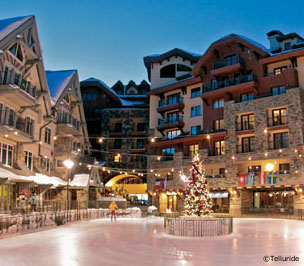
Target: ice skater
22	202
33	202
113	207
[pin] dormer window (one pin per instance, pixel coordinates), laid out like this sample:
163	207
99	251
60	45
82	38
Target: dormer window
287	46
16	51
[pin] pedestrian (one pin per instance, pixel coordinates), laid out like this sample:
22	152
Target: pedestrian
22	201
33	202
113	207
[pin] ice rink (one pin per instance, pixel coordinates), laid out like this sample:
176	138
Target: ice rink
143	242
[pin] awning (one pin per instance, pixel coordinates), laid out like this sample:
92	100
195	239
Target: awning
219	194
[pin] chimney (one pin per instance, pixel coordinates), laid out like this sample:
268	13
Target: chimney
272	37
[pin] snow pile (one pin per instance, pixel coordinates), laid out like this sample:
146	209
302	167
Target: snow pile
151	209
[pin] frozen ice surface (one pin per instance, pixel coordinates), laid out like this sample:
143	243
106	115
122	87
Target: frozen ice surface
143	242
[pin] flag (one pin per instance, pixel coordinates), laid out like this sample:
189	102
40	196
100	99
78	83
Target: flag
250	179
159	183
262	178
242	178
272	177
165	183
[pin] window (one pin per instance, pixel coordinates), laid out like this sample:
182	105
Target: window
218	124
247	97
168	71
46	164
193	149
218	104
247	122
183	68
28	159
118	127
117	158
174	117
47	136
29	125
196	111
16	51
6	152
279	70
284	168
231	60
278	90
219	147
173	134
247	144
168	151
196	92
287	46
74	146
173	99
117	143
214	84
222	172
196	130
86	97
59	163
255	168
140	127
279	117
140	143
280	140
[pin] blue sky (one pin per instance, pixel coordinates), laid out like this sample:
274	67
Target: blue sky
108	39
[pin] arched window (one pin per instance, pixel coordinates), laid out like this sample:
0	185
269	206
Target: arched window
168	71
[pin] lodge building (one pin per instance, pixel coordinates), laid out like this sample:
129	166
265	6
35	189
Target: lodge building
40	116
240	105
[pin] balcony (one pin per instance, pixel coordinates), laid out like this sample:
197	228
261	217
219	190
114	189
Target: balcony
224	66
245	148
68	125
170	105
287	76
277	121
242	82
138	131
170	122
115	130
115	146
244	126
278	145
16	128
15	88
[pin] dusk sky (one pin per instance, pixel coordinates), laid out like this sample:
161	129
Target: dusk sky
108	39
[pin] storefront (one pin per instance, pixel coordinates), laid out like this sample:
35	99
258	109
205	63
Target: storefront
220	201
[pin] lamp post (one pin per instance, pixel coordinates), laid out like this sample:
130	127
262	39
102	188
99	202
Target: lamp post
68	164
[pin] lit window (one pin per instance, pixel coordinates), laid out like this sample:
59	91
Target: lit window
117	158
193	149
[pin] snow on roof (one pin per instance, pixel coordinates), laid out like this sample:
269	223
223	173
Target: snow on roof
247	39
123	102
80	180
57	81
6	173
193	54
10	24
42	179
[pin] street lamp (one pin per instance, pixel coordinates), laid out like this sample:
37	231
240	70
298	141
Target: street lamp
68	164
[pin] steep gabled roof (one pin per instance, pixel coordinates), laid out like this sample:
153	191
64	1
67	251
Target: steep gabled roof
57	81
10	24
148	60
259	48
100	84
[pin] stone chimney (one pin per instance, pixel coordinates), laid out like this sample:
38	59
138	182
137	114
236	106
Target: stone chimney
272	37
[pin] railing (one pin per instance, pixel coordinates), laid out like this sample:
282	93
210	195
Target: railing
224	63
10	77
168	102
11	119
269	210
69	120
277	120
244	126
116	129
277	145
229	82
245	148
170	120
165	157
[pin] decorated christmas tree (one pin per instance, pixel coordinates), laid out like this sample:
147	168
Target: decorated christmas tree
197	201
